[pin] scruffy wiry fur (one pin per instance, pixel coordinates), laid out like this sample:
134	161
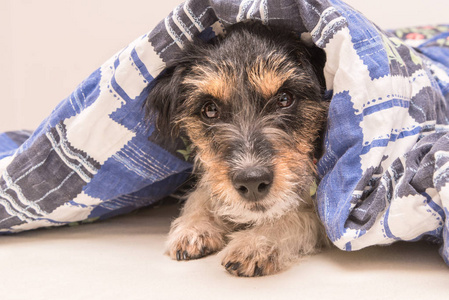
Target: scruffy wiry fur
251	104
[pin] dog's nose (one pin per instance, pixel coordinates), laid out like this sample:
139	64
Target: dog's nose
253	183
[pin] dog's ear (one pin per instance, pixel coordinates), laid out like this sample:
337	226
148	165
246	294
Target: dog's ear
162	104
317	57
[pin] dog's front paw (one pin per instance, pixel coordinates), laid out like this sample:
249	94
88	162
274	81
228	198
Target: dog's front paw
187	241
246	260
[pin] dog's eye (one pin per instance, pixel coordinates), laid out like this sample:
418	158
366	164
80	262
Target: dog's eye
210	110
285	99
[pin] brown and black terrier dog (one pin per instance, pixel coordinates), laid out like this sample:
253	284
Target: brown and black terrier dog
252	105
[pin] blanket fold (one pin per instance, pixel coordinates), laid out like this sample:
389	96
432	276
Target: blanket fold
384	172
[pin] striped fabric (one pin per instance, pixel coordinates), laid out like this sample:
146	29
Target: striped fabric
384	172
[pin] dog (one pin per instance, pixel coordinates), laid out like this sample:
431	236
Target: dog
251	103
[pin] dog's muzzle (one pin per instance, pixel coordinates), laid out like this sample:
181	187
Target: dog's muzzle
253	183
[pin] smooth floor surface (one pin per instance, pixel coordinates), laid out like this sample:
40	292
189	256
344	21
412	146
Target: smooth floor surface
123	258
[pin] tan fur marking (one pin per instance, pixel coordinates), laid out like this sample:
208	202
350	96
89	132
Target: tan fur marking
218	84
267	76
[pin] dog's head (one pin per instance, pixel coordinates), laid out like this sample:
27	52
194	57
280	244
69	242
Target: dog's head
251	104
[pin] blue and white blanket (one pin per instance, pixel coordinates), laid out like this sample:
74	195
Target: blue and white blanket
385	171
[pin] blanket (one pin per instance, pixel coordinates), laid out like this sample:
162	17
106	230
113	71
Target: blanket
385	167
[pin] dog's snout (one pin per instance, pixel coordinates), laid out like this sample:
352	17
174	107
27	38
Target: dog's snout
253	183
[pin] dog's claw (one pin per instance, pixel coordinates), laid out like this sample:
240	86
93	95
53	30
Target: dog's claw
236	266
258	271
231	267
184	255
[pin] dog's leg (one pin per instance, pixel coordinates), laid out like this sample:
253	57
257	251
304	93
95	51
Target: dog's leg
273	246
196	233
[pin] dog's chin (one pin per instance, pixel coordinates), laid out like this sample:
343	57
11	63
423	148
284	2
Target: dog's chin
241	211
